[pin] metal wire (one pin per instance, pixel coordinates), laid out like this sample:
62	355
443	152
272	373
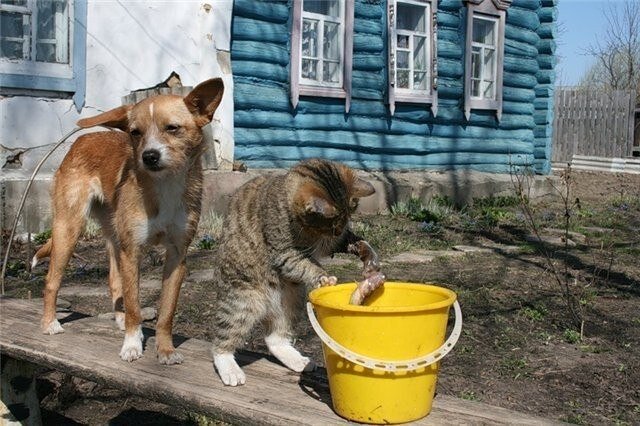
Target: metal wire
24	198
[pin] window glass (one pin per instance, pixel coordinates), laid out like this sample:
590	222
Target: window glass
322	7
46	21
483	31
412	46
14	40
483	58
322	38
52	43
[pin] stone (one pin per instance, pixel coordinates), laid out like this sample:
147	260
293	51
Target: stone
149	313
63	304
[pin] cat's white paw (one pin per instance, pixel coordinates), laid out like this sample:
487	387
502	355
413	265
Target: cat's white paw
282	349
230	372
132	346
119	317
325	281
54	327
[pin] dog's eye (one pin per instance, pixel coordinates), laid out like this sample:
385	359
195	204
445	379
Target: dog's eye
172	128
135	133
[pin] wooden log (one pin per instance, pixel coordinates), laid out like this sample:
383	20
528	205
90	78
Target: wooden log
261	51
368	10
374	142
450	5
449	50
368	43
276	12
521	65
548	15
250	29
273	395
520	49
448	20
18	391
367	26
368	62
368	79
519	80
252	69
547	47
520	34
527	20
449	34
548	30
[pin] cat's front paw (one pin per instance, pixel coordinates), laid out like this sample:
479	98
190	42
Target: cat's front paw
230	372
324	281
282	349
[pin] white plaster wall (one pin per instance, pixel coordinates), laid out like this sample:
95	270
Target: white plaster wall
130	45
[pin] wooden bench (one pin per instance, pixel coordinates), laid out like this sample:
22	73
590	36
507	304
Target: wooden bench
273	395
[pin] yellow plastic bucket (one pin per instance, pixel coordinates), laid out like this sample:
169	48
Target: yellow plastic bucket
382	358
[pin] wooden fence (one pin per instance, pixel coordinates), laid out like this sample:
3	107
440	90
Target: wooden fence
593	123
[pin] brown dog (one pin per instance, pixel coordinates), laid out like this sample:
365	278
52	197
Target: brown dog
143	186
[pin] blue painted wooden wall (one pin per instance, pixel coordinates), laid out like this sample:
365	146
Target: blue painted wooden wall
270	133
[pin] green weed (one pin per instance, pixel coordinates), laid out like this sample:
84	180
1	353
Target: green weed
469	395
42	237
537	313
571	336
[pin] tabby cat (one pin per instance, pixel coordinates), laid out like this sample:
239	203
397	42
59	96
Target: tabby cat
276	229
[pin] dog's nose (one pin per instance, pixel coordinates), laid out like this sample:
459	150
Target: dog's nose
151	157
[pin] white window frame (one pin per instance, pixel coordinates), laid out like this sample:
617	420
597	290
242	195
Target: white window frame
306	87
31	66
321	19
409	95
494	10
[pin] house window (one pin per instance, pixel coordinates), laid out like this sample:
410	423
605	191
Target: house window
412	52
483	58
484	55
42	45
321	49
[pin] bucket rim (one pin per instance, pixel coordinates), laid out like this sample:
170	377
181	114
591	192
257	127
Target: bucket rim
451	297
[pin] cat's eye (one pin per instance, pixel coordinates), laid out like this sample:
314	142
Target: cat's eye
171	128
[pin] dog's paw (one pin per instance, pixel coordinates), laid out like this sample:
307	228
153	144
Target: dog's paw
230	372
132	346
119	317
170	358
324	281
282	349
53	327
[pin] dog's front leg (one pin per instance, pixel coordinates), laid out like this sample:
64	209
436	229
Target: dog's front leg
129	261
172	277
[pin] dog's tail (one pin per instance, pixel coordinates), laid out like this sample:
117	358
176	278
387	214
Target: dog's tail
42	253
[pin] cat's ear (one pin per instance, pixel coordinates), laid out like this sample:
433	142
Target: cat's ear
318	205
362	188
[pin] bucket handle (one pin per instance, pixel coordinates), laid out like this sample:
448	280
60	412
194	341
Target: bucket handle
371	363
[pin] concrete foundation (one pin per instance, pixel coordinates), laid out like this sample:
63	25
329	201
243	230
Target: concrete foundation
391	187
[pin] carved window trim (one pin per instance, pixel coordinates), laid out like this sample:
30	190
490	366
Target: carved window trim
495	10
398	95
300	87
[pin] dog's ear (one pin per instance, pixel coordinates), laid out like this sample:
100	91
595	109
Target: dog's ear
117	118
204	99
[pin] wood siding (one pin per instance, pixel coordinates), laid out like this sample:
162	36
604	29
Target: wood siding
270	133
593	123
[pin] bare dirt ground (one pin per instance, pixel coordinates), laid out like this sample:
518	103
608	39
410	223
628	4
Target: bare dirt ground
521	347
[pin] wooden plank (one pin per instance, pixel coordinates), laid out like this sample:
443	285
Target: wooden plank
273	395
